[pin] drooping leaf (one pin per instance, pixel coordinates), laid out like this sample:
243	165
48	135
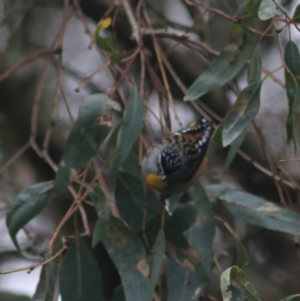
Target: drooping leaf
290	298
254	73
84	139
131	165
241	113
296	16
242	258
104	42
200	235
80	277
226	66
115	57
180	220
257	211
292	81
156	260
235	145
217	135
182	285
129	256
268	10
130	129
252	7
234	285
98	197
47	287
134	201
180	251
119	294
28	204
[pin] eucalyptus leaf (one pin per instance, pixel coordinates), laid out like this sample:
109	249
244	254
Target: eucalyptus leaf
226	66
132	124
80	277
129	256
28	204
241	113
257	211
234	285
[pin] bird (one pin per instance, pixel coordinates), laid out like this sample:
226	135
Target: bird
177	162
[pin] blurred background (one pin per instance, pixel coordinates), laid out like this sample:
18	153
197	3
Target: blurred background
46	54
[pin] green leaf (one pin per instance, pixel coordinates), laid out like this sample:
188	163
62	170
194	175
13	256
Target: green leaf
252	7
98	197
131	165
235	145
182	285
156	260
119	294
296	16
115	57
104	42
217	135
230	61
80	277
257	211
254	74
84	139
47	287
134	200
129	256
268	10
180	220
28	204
241	113
201	233
290	298
234	284
292	81
133	118
180	251
242	257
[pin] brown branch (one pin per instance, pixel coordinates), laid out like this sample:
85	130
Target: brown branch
31	57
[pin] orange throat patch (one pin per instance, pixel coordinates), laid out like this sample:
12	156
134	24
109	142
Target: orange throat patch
155	181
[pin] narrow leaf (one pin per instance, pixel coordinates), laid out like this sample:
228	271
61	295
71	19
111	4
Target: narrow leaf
134	200
104	42
217	135
130	129
254	74
156	260
100	202
80	277
235	145
252	7
84	139
292	81
182	285
296	16
257	211
28	204
201	233
226	66
268	10
180	220
241	113
129	257
290	298
119	294
234	284
180	251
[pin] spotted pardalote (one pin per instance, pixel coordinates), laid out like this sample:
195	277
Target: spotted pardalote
177	162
